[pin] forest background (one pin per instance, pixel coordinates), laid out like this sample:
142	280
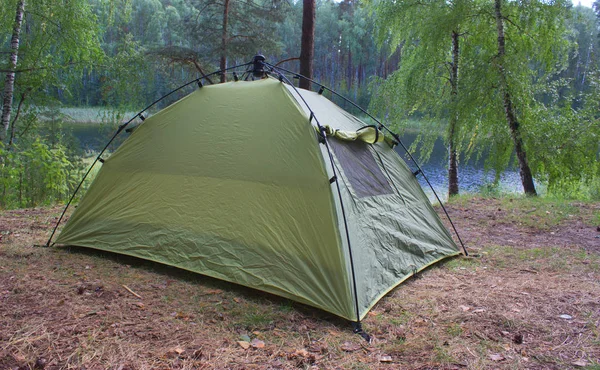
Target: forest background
518	80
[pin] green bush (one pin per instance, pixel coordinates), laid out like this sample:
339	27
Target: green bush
36	174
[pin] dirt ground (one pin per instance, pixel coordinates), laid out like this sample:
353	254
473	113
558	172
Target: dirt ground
528	297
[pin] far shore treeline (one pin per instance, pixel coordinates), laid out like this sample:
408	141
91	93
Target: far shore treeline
517	80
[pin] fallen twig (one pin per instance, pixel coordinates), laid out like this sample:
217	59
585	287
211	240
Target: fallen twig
531	271
131	291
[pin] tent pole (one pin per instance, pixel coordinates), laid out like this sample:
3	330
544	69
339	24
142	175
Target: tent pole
357	327
396	137
83	179
123	126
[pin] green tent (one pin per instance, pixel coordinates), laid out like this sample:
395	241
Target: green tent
234	182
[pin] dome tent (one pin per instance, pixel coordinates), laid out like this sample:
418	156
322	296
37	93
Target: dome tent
268	186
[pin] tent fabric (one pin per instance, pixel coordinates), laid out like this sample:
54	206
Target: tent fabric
231	182
393	234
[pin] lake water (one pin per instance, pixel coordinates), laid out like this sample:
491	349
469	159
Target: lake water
472	176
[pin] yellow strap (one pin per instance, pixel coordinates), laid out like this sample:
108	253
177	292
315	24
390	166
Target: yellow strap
367	134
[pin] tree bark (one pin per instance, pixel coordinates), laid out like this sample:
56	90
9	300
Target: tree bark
9	82
224	41
11	139
307	47
452	157
350	71
509	110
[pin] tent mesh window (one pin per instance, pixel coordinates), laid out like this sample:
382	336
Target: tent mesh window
360	168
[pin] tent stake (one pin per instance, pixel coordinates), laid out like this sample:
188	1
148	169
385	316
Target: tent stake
357	329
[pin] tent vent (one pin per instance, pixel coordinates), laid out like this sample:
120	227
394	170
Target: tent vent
360	168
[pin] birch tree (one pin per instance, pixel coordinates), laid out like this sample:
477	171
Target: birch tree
9	83
49	42
427	82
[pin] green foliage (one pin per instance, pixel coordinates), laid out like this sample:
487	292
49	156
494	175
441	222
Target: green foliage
37	174
123	54
551	73
58	42
566	144
128	78
421	87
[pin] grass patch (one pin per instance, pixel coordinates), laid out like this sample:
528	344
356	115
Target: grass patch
535	212
542	259
461	263
442	355
454	330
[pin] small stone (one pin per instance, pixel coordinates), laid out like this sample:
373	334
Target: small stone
496	357
40	363
566	317
244	344
385	358
518	338
350	347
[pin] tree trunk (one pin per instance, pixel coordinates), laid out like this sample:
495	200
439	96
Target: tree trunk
452	157
11	139
307	47
509	110
9	83
224	41
350	72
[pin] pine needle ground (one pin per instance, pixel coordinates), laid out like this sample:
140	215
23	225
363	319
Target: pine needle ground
529	297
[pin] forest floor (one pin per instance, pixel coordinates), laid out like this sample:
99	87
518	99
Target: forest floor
527	297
